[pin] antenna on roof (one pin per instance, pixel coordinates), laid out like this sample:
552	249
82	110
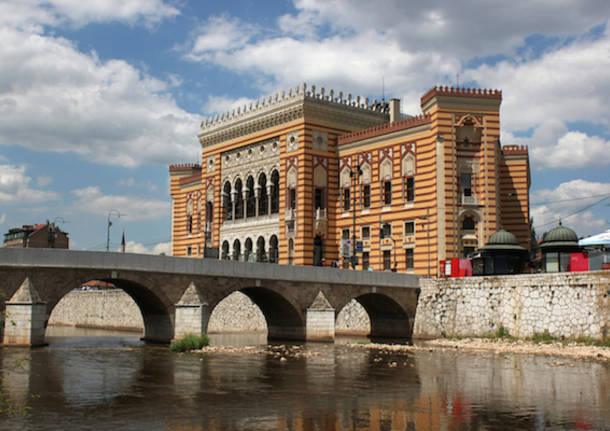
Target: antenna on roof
382	88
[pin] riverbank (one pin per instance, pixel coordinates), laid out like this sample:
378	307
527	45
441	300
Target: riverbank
502	347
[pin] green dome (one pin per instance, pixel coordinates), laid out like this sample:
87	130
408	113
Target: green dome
503	240
559	236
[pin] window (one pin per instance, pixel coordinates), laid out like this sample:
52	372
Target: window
189	251
387	192
346	201
319	200
189	224
409	184
366	196
365	260
387	260
409	228
385	230
366	232
345	234
468	223
292	198
466	184
409	259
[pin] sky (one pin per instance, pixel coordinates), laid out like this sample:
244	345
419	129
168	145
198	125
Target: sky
99	97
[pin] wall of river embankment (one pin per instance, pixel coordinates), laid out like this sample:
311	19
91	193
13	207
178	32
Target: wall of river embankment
567	305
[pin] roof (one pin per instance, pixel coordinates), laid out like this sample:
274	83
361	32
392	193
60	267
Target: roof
559	236
599	239
461	91
385	128
503	240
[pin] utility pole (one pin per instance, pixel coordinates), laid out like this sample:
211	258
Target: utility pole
110	213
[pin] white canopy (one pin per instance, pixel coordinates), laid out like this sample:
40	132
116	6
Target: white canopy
599	239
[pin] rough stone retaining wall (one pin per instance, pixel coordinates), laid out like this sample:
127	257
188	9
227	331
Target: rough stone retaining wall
564	304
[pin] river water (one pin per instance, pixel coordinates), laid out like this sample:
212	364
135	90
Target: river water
95	380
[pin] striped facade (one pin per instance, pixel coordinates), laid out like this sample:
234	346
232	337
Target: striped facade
296	178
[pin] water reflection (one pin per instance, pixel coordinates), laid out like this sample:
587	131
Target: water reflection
118	383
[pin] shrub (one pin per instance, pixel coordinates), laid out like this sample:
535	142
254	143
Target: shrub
544	338
502	332
190	342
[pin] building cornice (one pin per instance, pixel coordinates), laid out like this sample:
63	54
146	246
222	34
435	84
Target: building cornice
288	107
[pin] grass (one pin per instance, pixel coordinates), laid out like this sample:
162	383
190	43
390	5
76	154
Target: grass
190	342
546	338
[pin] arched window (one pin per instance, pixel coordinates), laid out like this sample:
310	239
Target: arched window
227	204
247	249
225	250
319	183
385	175
250	198
275	192
261	256
291	188
189	216
273	250
408	177
264	197
468	223
236	250
239	200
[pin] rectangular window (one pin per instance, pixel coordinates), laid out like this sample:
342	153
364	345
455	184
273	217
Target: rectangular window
410	189
366	232
345	234
387	260
387	193
409	258
365	260
346	201
319	200
189	224
409	228
385	230
292	198
466	184
366	196
189	251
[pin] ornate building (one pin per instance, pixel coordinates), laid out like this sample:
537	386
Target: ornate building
310	177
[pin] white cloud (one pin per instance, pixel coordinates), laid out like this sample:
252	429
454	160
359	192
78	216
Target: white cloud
134	247
2	218
31	14
54	98
92	200
15	186
43	181
224	103
570	202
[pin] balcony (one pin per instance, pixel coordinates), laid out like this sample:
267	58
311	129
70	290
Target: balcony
468	200
319	222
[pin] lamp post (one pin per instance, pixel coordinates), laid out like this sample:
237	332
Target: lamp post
354	174
110	213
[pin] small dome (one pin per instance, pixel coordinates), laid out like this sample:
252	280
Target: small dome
502	240
559	236
502	237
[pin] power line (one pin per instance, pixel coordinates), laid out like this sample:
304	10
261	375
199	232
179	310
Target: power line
571	199
575	212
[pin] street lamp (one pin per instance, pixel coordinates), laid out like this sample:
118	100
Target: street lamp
353	174
427	218
111	213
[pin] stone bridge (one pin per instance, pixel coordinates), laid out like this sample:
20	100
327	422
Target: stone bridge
177	295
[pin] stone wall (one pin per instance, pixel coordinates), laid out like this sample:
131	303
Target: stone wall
563	304
114	309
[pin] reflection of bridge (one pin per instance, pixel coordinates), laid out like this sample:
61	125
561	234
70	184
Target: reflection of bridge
177	295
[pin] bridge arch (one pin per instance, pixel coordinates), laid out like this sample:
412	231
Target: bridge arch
388	318
156	317
284	320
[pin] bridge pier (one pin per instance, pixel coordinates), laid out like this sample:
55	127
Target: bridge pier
26	314
320	320
192	313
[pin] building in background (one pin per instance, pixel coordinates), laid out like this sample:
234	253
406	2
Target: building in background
309	178
45	235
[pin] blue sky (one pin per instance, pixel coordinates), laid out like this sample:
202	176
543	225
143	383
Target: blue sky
97	98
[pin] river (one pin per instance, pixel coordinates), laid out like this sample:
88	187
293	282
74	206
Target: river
97	380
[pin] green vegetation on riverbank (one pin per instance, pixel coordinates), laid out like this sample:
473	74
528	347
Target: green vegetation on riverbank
502	334
190	342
